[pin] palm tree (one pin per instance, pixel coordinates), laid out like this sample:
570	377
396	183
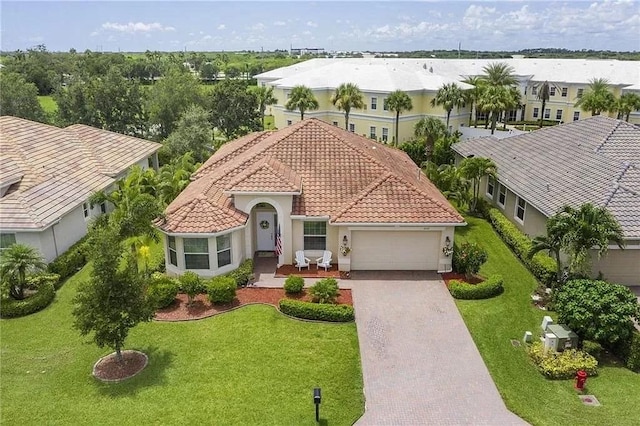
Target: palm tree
264	95
513	101
494	100
449	96
626	103
598	97
431	129
471	96
174	177
398	102
588	227
15	262
553	242
499	74
474	169
347	96
543	95
302	99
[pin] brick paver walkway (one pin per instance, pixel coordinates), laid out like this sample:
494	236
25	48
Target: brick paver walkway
420	365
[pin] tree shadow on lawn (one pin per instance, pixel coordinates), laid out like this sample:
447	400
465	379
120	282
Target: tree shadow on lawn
152	375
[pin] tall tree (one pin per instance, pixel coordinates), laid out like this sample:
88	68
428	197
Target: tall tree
494	100
449	96
471	96
209	71
19	98
498	96
543	95
347	96
113	301
302	99
499	74
234	109
169	99
430	129
193	134
588	227
553	242
264	95
174	177
626	103
598	97
15	263
398	102
474	169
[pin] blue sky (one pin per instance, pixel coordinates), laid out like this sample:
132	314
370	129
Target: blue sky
360	25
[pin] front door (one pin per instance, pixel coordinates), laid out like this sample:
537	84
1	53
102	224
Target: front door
265	231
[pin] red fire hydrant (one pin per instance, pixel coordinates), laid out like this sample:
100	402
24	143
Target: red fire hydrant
581	379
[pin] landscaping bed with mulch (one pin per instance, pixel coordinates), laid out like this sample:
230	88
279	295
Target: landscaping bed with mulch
202	308
108	369
448	276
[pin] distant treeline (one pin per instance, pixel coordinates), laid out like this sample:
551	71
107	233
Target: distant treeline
529	53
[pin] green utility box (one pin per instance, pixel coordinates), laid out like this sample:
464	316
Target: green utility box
565	338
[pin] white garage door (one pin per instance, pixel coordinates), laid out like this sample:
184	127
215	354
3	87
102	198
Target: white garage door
394	250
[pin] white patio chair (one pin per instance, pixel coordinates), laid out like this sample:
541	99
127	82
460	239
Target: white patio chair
301	261
324	261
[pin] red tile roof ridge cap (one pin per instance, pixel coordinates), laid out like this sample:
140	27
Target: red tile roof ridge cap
363	193
276	167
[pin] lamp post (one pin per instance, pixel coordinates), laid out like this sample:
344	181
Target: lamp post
317	399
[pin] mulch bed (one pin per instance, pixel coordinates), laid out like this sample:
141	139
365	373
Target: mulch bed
311	272
448	276
202	308
108	369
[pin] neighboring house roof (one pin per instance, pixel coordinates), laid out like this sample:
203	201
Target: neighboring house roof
349	178
58	169
595	160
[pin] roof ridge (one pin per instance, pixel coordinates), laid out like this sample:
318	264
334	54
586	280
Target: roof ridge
272	165
363	193
87	148
419	190
205	168
606	138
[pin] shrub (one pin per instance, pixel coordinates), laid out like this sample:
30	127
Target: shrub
486	289
162	290
293	284
11	308
221	290
592	348
37	281
315	311
71	261
242	274
468	258
542	266
629	351
191	285
562	365
324	291
597	310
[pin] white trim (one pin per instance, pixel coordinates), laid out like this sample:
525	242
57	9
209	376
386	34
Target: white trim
629	247
311	218
487	193
500	187
261	193
524	210
399	225
201	234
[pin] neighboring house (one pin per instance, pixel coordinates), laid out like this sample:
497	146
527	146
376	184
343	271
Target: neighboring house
310	187
48	174
596	160
422	77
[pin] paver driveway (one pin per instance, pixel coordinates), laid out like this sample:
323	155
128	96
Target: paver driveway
420	365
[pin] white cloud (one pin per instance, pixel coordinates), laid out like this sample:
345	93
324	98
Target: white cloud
257	27
136	27
222	26
279	24
312	24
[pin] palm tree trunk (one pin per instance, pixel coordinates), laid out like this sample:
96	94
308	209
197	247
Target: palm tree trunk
470	113
544	103
397	120
301	114
346	121
448	115
627	117
494	120
475	122
559	265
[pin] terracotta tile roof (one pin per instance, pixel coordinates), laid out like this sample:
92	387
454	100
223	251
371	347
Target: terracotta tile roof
337	171
595	160
60	167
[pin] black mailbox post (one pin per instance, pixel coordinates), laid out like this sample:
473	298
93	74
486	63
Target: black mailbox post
317	399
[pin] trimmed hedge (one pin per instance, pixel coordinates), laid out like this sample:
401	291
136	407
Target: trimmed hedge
293	284
317	311
542	266
491	287
10	308
562	365
37	281
242	274
162	290
221	290
629	351
71	261
592	348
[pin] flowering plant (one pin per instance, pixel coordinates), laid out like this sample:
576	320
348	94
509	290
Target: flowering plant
447	251
344	250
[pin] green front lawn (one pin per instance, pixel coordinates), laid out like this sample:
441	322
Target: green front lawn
494	322
249	366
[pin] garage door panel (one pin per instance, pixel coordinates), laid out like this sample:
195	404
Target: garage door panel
394	250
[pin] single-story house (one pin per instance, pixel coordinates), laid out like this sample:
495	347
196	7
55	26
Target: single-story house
312	187
48	174
595	160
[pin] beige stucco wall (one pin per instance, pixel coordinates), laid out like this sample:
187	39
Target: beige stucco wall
619	266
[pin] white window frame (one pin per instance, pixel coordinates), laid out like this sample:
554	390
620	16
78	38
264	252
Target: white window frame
311	235
517	208
86	210
385	107
536	112
385	134
552	91
491	183
223	250
6	235
576	115
502	191
579	94
289	122
372	132
374	102
172	250
534	91
335	123
352	127
564	93
558	114
185	253
547	113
